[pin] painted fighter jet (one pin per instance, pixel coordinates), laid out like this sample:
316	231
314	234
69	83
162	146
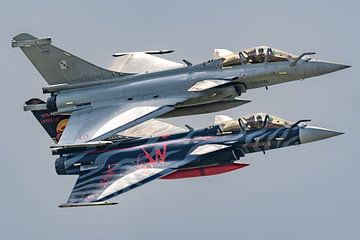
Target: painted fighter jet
140	86
148	152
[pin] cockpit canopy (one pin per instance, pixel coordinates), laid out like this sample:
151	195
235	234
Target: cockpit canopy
254	55
259	54
253	122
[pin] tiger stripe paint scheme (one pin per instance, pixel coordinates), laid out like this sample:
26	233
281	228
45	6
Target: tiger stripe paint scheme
107	171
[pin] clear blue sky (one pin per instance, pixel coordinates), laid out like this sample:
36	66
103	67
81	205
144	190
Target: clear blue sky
306	192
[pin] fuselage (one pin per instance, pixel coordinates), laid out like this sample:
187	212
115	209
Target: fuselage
175	83
167	149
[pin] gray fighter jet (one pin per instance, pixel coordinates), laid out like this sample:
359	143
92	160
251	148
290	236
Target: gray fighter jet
139	86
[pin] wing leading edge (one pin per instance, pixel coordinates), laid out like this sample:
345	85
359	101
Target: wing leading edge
98	188
95	187
95	124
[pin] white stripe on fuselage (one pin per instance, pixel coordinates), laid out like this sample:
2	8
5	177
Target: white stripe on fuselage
128	180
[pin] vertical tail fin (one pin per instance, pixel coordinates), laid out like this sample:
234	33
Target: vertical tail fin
53	125
58	66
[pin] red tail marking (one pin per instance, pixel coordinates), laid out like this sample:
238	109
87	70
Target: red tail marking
45	115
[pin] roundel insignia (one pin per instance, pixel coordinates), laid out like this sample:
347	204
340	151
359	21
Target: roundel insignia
243	76
63	65
82	137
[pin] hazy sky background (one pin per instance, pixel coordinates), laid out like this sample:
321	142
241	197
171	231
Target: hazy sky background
306	192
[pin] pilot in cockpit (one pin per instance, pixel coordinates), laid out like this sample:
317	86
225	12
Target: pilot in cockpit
261	54
253	122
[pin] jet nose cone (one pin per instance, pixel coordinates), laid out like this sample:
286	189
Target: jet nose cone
326	67
311	134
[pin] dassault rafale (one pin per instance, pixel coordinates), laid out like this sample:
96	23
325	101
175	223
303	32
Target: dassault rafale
149	152
104	121
139	86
